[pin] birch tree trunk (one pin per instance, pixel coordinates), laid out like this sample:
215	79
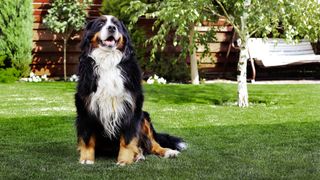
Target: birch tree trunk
242	77
193	60
244	56
65	59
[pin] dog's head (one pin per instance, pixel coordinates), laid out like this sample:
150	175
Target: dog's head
107	33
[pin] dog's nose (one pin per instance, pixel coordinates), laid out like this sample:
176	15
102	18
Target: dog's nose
111	28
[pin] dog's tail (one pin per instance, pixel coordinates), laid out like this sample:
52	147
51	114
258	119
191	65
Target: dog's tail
166	140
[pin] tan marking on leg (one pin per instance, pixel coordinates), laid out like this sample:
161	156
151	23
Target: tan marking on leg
128	153
87	150
155	146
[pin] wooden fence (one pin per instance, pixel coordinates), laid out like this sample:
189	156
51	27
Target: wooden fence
48	47
218	63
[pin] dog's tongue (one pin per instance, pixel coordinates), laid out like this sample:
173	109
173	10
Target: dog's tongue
110	42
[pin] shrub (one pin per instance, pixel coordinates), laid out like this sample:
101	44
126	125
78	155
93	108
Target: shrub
168	66
15	37
9	75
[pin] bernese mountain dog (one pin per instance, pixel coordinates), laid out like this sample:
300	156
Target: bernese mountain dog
109	99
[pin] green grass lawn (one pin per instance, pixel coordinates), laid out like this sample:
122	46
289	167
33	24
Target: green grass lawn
278	136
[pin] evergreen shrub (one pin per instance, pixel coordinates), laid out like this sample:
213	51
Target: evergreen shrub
16	22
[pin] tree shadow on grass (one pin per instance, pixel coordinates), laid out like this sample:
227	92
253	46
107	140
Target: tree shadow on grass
214	94
184	94
43	138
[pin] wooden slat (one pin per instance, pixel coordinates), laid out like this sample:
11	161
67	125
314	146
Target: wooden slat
54	58
216	67
41	1
222	21
217	58
47	35
221	37
41	5
37	19
37	26
216	28
216	47
54	70
41	12
54	46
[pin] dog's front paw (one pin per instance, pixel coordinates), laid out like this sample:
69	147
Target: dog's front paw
86	161
139	157
124	162
171	153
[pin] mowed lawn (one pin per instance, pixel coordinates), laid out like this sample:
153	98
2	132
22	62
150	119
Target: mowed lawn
278	136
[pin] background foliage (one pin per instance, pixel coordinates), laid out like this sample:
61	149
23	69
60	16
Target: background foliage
15	38
163	64
289	19
66	15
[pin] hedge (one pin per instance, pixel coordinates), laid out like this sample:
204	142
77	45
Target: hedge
16	22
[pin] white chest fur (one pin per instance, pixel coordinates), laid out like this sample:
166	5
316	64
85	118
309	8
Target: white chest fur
110	102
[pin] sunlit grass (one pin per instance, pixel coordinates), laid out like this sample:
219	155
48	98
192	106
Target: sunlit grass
278	136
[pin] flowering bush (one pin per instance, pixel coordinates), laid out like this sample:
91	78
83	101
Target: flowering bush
156	80
74	78
34	78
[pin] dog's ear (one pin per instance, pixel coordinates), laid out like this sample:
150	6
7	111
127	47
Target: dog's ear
128	49
87	36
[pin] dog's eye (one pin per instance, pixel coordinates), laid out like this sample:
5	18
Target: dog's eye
100	24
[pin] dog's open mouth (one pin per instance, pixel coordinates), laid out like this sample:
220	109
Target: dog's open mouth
109	42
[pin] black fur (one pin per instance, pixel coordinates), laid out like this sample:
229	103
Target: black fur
165	140
88	124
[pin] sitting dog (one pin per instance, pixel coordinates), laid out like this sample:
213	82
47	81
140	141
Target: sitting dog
109	99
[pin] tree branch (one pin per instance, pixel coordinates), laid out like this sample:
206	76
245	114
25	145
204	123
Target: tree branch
208	9
227	16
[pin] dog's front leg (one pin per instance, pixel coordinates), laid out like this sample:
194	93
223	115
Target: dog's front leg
87	150
128	153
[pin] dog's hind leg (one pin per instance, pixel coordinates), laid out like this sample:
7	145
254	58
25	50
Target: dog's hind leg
155	146
87	150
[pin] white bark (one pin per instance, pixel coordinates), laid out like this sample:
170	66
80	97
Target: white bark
194	68
193	61
242	78
244	56
65	59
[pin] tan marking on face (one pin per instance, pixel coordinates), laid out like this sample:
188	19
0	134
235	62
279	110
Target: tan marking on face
121	43
94	40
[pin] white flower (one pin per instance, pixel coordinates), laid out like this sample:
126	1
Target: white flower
44	77
74	78
150	81
162	81
32	74
156	77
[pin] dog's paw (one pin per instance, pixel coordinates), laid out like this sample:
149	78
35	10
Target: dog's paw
86	162
123	163
171	153
140	157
